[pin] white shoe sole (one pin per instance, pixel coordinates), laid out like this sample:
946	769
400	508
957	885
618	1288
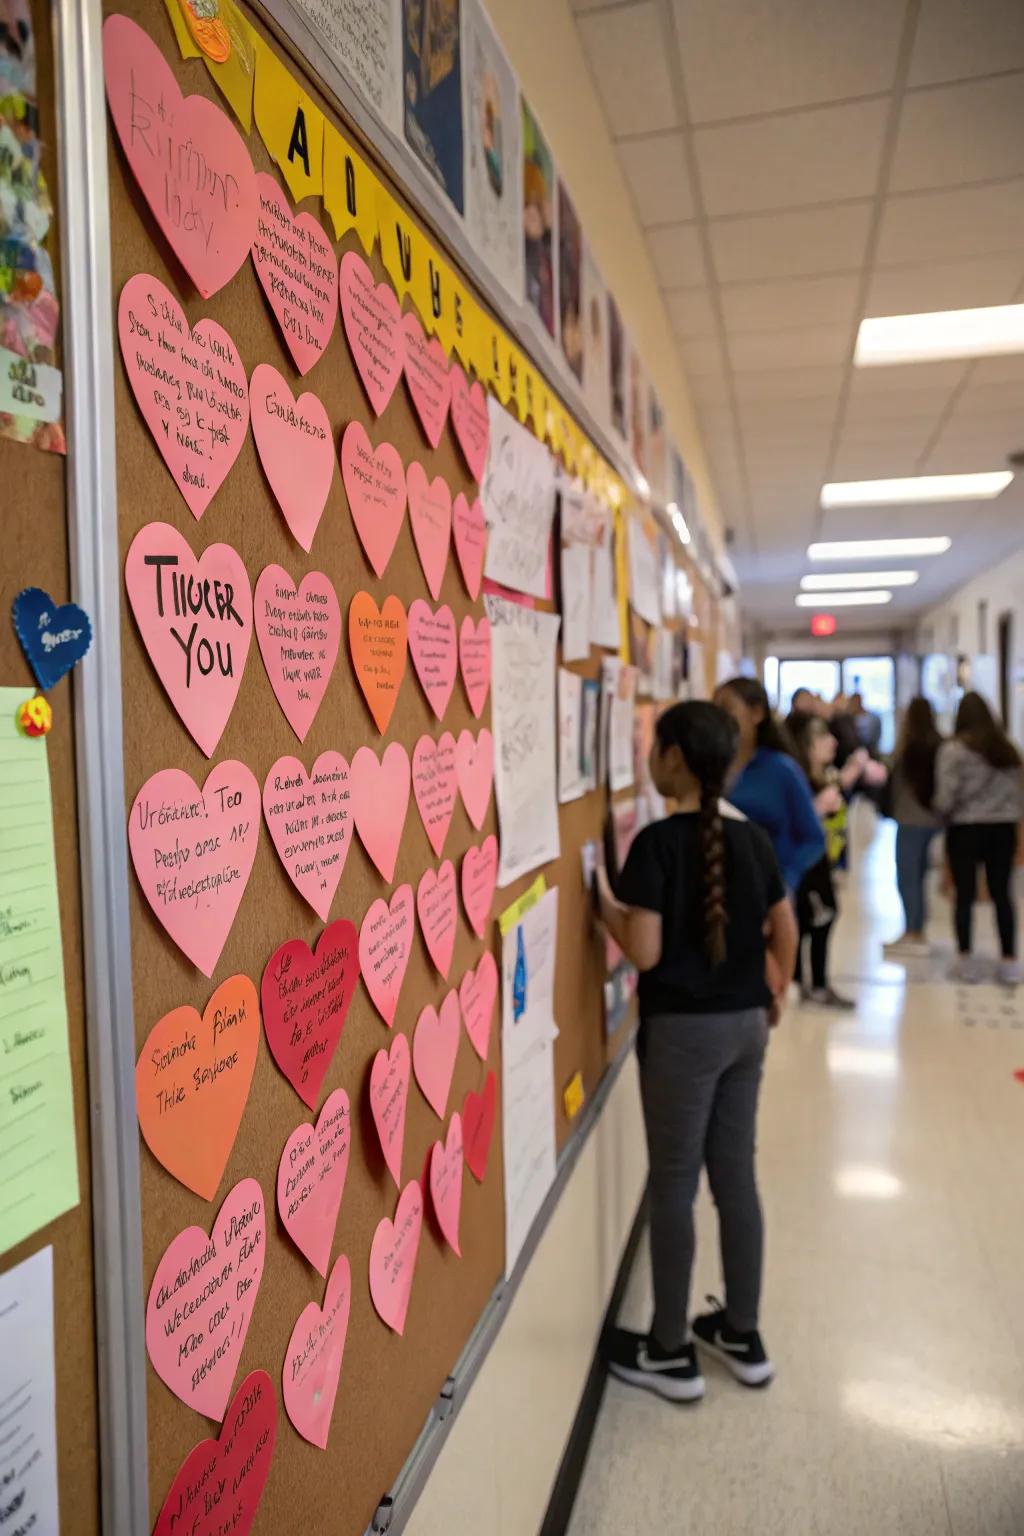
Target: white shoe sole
747	1375
673	1391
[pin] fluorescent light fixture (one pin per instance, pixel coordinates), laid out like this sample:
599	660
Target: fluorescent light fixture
945	333
837	581
891	493
877	549
870	599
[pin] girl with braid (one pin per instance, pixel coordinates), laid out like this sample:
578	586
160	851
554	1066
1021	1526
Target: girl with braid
701	909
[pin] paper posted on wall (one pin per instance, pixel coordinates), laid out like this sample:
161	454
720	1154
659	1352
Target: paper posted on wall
364	39
28	1449
644	583
604	598
571	778
522	720
518	497
494	156
618	686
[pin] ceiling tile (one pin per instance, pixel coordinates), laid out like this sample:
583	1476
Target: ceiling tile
912	377
798	348
870	407
959	38
628	58
959	133
655	169
701	355
944	285
1002	401
875	461
677	256
776	306
789	384
690	312
797	244
998	370
967	221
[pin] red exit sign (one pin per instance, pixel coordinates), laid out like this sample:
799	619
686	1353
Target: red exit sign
823	625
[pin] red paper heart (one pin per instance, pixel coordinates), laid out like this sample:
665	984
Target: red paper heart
478	1111
238	1459
471	421
434	651
434	784
446	1182
437	912
470	533
475	661
426	374
298	272
305	1000
479	877
311	1179
389	1099
372	318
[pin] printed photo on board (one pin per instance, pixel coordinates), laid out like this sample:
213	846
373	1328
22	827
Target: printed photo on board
538	221
617	367
494	162
570	279
433	90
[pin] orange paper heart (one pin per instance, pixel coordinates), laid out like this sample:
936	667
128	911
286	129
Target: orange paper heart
377	638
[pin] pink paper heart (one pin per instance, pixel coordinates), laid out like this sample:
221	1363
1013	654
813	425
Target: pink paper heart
478	993
432	646
430	513
375	487
299	632
426	374
479	877
393	1257
193	853
311	1179
437	911
310	821
298	272
474	769
471	421
312	1360
389	1099
296	449
385	944
201	1301
435	1045
305	999
470	532
434	785
239	1457
478	1110
380	803
372	317
195	619
446	1182
475	661
189	160
189	385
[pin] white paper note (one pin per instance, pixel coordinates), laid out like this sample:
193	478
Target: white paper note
523	724
571	781
493	150
644	581
618	685
604	601
576	574
364	39
518	496
28	1417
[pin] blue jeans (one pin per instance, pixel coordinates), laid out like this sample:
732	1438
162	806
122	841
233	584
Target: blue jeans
912	845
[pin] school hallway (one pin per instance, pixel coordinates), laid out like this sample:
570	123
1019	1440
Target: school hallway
890	1174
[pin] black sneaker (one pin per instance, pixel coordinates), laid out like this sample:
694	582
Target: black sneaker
639	1359
743	1353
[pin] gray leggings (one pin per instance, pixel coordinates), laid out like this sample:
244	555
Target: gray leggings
699	1079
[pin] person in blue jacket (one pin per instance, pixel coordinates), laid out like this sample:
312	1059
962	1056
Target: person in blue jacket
768	785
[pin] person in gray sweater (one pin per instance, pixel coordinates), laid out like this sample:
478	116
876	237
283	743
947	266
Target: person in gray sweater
911	793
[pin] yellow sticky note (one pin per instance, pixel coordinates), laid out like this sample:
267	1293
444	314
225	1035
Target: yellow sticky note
517	910
291	124
350	189
572	1098
235	77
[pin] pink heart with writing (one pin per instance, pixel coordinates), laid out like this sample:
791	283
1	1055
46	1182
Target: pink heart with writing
475	661
201	1301
372	317
435	1045
393	1257
478	993
195	619
437	911
240	1455
311	1179
305	998
385	944
434	652
426	374
430	513
188	158
434	785
479	877
471	421
299	632
298	272
296	448
478	1110
470	532
380	803
389	1099
446	1182
375	486
193	853
474	769
309	820
312	1360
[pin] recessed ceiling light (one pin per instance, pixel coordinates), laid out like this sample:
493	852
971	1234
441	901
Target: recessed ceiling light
946	333
877	549
835	581
889	493
870	599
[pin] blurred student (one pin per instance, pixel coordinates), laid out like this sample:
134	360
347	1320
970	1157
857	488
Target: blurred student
911	797
816	905
699	891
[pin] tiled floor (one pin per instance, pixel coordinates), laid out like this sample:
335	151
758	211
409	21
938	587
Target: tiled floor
892	1171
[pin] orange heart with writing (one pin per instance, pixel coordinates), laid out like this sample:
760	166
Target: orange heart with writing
378	640
192	1081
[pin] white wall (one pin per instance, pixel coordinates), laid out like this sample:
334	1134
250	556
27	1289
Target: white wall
960	625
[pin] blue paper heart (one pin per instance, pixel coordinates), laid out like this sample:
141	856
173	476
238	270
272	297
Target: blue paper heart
52	637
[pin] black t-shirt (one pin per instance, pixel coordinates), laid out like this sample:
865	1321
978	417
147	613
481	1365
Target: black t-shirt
662	873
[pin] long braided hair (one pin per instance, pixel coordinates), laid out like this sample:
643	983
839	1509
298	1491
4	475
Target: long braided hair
707	738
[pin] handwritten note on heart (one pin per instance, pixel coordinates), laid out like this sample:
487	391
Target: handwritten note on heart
470	533
432	646
296	449
377	638
298	271
437	912
190	162
426	374
430	514
474	768
385	944
478	993
389	1098
380	803
190	386
311	1179
479	877
375	486
299	631
393	1258
435	1045
475	661
238	1459
201	1301
54	636
193	853
305	999
312	1361
195	619
446	1182
478	1126
372	317
192	1081
309	817
434	785
471	421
